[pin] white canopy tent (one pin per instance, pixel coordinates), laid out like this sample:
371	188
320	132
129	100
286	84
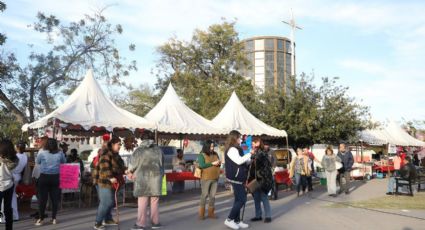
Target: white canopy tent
234	116
391	133
171	115
89	107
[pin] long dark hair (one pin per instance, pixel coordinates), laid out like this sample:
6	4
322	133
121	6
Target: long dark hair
258	139
232	139
7	149
51	146
206	148
114	140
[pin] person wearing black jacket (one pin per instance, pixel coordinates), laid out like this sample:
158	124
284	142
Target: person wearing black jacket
236	173
347	161
260	170
407	172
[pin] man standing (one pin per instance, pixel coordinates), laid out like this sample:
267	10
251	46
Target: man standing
179	165
344	174
147	169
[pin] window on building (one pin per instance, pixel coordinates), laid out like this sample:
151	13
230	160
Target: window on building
280	45
269	44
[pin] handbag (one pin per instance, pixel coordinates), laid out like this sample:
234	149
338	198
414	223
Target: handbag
253	185
198	171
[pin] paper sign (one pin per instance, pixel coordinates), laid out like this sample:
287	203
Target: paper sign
69	176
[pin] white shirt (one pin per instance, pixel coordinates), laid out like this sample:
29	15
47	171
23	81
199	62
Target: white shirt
17	172
233	154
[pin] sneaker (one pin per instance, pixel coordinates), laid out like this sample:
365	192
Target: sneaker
243	225
110	223
137	227
156	226
256	219
98	226
347	192
54	221
231	224
390	193
267	220
39	222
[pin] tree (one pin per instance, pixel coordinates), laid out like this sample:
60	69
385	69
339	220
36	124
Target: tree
296	112
205	70
139	101
72	49
312	115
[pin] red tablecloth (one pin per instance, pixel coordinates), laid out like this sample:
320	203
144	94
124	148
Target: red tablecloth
383	168
282	178
25	191
180	176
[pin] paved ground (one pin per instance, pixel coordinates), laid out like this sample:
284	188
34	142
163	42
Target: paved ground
310	211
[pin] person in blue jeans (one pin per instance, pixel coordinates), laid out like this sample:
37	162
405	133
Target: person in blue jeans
261	171
299	169
236	165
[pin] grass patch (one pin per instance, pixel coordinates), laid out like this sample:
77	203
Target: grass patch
387	202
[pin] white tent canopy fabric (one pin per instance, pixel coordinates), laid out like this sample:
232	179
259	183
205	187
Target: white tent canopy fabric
171	115
392	133
234	116
88	106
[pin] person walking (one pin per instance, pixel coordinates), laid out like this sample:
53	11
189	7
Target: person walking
17	176
49	160
236	166
347	161
260	170
209	163
146	168
300	170
8	162
329	164
108	175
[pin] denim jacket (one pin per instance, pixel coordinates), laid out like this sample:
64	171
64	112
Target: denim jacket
49	162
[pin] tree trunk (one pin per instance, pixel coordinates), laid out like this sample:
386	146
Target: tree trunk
31	100
12	108
45	99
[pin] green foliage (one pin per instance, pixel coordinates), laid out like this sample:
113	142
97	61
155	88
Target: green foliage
72	48
204	71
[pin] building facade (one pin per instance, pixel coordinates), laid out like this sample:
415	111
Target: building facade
270	58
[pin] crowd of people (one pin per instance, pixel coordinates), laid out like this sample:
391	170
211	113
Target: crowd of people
250	173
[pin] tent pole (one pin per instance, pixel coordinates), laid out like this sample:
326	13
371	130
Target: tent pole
156	136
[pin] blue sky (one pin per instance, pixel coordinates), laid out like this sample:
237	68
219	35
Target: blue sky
377	48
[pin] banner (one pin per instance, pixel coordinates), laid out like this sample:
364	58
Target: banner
69	176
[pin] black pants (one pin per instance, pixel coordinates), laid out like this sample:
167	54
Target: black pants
6	198
48	185
310	183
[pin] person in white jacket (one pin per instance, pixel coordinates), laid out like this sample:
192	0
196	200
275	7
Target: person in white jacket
8	161
17	176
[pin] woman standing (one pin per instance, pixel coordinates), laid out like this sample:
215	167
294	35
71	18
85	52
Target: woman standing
261	171
49	160
329	164
147	171
109	174
17	175
299	169
8	161
236	173
209	163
